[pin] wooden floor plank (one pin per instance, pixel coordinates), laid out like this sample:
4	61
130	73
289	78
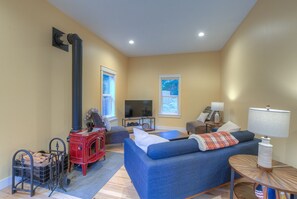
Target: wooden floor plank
118	187
40	192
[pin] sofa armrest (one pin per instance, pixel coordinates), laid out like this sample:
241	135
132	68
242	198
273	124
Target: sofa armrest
137	165
196	127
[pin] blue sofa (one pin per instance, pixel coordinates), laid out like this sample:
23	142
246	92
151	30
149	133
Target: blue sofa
178	169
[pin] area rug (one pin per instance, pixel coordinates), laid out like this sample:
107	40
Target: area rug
98	174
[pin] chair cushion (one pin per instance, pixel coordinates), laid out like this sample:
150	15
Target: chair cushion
196	123
116	135
115	129
196	127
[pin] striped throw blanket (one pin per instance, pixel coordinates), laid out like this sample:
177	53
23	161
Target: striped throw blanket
217	140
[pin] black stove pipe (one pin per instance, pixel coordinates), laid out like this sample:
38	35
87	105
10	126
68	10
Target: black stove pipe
76	43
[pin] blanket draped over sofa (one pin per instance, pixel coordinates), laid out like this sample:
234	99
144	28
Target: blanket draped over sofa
178	169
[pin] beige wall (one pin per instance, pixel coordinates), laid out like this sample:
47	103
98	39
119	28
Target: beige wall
35	78
259	68
200	82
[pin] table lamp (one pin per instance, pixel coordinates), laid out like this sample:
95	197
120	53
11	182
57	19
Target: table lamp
217	106
268	122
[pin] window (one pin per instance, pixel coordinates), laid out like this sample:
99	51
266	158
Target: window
170	95
108	92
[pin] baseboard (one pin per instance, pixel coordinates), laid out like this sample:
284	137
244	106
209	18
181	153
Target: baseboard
171	128
5	182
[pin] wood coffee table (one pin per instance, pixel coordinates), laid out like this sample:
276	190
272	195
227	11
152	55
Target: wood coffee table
172	135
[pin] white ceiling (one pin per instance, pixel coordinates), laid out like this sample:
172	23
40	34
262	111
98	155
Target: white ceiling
159	26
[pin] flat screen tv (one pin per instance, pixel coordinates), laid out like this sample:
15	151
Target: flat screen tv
138	108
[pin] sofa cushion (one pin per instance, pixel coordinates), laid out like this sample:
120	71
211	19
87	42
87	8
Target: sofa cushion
143	139
243	136
174	148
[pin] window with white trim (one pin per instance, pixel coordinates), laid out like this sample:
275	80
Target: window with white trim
170	95
108	78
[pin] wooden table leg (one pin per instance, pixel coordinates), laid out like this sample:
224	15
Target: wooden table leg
265	192
232	183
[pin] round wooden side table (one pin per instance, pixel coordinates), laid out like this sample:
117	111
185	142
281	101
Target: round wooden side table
282	178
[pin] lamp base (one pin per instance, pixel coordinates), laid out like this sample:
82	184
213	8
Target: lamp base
264	168
265	154
217	117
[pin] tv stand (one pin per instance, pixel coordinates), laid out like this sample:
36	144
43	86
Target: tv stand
145	123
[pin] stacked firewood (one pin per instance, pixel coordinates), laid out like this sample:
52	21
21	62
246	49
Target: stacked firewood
40	158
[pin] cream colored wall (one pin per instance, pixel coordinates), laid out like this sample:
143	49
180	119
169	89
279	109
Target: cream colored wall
259	68
35	78
200	82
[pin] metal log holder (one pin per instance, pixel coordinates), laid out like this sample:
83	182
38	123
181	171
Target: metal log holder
53	174
19	168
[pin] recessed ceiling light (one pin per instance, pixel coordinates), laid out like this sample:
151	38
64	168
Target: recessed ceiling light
131	42
201	34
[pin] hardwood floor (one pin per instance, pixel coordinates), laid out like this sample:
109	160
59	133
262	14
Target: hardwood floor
118	187
41	193
121	187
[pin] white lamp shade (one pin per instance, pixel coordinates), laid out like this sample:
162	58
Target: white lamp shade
217	106
269	122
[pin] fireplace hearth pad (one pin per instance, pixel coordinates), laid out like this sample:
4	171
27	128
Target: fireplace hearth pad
40	168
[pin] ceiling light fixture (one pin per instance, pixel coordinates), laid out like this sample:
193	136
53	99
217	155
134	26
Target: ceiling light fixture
201	34
131	42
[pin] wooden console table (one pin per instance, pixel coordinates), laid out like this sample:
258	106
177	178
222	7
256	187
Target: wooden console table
283	178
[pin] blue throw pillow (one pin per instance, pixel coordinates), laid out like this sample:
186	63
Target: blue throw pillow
243	136
174	148
181	147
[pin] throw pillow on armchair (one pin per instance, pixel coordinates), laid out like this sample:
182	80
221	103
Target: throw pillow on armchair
202	117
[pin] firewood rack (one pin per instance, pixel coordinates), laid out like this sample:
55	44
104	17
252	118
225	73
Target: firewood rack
52	173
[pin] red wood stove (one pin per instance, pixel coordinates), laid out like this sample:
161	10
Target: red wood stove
86	147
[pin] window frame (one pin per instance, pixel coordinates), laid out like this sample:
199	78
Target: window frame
110	72
172	76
